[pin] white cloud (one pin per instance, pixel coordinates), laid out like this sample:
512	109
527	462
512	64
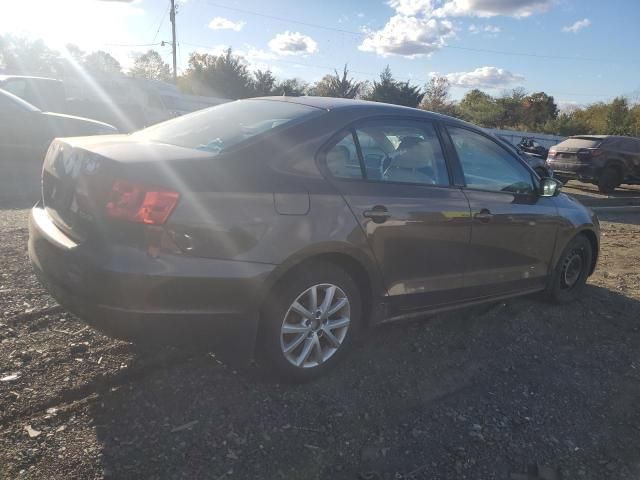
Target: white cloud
484	77
221	23
492	8
408	36
420	27
293	43
412	8
491	30
577	26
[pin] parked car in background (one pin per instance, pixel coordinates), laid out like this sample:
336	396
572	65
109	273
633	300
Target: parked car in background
131	103
604	160
46	94
280	227
26	131
530	146
536	162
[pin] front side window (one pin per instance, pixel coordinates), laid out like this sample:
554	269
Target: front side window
407	152
488	166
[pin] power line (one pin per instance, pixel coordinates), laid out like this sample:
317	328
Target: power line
131	44
452	47
164	15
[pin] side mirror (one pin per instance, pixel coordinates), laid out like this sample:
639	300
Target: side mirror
550	187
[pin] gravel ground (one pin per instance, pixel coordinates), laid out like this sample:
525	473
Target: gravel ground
522	390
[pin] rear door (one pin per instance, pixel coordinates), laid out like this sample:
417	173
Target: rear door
513	230
394	177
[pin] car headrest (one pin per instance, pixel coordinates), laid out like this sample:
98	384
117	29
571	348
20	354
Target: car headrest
340	154
408	142
419	156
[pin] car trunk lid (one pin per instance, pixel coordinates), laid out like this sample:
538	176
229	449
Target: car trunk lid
79	174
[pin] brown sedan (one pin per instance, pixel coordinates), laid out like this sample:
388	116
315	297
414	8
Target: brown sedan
278	228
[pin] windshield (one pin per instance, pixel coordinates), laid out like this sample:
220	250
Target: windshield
217	128
580	142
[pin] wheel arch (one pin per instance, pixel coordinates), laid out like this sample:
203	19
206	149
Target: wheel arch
593	240
356	263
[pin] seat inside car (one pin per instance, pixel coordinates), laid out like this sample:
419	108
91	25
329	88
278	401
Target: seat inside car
414	161
341	162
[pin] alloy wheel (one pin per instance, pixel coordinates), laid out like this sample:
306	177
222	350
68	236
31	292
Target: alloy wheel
572	268
315	325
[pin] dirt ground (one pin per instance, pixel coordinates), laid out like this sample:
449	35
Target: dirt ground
522	390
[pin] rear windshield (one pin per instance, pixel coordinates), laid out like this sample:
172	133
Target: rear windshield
581	142
217	128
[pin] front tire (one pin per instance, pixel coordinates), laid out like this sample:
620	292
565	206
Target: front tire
572	270
311	322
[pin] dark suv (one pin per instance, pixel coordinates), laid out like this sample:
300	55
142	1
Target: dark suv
283	226
604	160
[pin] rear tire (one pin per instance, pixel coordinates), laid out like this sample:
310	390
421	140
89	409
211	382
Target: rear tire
571	272
609	180
299	344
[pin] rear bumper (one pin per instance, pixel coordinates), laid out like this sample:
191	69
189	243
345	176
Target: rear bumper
168	299
578	171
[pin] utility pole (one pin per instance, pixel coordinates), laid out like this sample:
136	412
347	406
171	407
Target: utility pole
172	17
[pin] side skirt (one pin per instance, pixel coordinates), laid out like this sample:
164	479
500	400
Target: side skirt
457	306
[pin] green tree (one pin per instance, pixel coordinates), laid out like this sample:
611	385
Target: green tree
102	63
511	104
538	109
224	76
388	90
634	115
567	124
340	86
480	108
28	57
292	87
437	98
151	66
263	83
618	119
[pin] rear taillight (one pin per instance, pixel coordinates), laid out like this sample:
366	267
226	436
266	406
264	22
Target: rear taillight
587	153
139	203
552	154
595	152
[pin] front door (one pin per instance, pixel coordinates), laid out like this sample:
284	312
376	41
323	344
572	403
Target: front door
513	229
395	179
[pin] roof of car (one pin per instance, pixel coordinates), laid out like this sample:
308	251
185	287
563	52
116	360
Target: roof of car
28	77
331	103
602	137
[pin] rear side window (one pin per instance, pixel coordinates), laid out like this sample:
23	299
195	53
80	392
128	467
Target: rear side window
218	128
402	151
342	159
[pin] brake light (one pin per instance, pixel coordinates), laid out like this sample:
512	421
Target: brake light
595	151
552	154
138	203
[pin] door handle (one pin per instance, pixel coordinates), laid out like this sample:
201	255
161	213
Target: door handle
377	214
483	216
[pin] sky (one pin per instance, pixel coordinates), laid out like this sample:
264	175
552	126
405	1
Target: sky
579	51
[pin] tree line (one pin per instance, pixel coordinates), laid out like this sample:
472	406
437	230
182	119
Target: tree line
227	75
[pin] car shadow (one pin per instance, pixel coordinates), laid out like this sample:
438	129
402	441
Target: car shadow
480	393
